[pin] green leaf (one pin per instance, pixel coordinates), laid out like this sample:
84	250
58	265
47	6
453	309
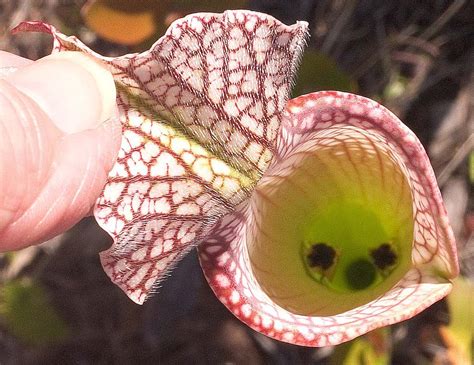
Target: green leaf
26	311
459	336
396	88
319	72
471	167
370	349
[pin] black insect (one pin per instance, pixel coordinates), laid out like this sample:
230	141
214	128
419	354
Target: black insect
383	256
321	256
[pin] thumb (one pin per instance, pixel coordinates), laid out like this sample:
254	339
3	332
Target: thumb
59	137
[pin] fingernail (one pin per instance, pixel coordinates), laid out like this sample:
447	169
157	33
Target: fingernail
76	91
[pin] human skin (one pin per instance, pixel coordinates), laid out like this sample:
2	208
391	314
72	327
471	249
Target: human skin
59	137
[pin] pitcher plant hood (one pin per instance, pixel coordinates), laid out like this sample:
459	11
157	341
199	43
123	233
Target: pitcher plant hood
317	219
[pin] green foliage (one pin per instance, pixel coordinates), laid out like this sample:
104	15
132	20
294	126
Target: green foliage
8	256
460	334
26	311
319	72
367	350
396	88
471	167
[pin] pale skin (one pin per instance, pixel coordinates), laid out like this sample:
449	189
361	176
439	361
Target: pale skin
59	138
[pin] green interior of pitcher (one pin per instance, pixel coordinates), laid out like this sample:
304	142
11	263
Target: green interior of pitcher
335	233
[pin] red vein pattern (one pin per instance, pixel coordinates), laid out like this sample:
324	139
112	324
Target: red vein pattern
200	112
324	120
305	115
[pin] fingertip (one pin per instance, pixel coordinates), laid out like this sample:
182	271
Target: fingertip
74	90
102	77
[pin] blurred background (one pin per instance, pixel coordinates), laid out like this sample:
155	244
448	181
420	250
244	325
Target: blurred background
417	58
